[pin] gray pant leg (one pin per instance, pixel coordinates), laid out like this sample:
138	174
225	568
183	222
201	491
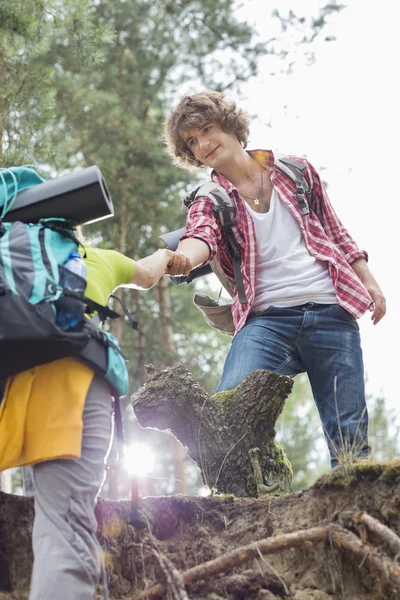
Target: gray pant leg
27	481
66	551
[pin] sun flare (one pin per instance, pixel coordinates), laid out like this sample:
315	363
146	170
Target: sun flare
139	459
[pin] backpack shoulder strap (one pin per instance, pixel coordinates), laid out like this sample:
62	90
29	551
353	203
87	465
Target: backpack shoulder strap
225	209
294	170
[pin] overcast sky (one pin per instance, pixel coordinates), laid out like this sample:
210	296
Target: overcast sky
342	113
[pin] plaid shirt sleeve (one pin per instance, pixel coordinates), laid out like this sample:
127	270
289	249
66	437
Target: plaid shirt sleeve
331	223
202	224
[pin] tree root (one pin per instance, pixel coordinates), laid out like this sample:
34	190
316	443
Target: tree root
174	578
365	553
387	536
335	535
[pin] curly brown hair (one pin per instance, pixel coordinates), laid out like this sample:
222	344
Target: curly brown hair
196	110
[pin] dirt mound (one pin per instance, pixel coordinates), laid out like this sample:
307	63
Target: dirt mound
336	540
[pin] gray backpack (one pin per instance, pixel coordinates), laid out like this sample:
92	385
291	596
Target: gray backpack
219	315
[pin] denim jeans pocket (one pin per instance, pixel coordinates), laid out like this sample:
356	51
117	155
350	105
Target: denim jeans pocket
347	316
262	312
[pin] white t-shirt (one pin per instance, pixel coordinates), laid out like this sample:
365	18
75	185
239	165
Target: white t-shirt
287	275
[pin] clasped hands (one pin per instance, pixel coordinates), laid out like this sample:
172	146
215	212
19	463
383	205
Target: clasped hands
178	264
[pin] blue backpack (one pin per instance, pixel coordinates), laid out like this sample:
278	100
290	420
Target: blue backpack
32	256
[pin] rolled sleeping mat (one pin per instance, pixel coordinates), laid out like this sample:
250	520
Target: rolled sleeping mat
82	196
171	240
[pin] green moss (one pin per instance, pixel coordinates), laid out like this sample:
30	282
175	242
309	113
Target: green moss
361	470
225	397
281	458
158	383
391	473
338	478
225	497
276	403
368	467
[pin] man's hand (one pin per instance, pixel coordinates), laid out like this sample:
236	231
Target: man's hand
378	309
179	264
149	269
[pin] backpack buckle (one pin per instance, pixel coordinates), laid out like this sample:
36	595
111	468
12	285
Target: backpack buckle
301	196
225	214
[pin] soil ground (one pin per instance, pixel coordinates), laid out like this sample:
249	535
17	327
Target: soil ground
192	530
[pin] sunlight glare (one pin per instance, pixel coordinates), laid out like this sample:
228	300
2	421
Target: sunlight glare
139	459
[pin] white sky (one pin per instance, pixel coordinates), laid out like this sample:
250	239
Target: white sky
342	113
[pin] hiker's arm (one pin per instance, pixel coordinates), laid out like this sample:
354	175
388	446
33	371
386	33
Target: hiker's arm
190	253
330	221
201	240
149	269
360	267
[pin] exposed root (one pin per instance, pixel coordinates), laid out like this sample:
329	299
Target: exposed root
388	536
333	534
366	554
174	578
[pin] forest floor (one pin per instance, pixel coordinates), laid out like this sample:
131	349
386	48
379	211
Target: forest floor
338	539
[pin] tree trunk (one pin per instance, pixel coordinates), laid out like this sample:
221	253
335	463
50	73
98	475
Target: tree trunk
230	435
168	344
116	324
165	320
141	341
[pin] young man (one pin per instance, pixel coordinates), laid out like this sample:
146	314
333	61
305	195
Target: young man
306	281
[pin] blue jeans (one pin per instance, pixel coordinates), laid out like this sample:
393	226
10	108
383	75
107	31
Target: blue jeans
322	340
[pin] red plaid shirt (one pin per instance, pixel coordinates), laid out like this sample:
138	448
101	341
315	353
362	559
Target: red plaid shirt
323	233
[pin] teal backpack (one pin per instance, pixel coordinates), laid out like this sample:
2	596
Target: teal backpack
32	257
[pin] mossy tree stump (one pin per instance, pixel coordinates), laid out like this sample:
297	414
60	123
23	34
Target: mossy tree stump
230	435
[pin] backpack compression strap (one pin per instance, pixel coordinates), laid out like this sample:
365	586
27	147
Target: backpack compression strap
225	209
104	312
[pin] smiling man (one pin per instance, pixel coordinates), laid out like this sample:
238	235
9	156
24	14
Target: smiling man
306	281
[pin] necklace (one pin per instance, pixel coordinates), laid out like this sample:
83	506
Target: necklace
256	199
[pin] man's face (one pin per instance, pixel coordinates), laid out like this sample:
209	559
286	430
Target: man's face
211	145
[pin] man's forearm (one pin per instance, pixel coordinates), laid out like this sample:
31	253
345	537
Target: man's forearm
195	249
361	268
191	253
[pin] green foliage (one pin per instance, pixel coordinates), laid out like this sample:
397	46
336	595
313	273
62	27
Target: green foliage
29	31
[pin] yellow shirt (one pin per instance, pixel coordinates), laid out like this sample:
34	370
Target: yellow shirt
106	270
41	412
